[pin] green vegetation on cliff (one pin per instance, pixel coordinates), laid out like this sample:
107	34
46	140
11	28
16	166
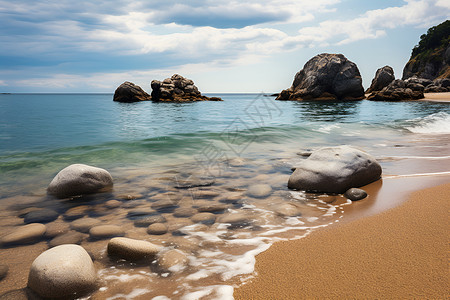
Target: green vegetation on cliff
429	59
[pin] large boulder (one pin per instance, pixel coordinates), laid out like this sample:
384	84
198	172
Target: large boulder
79	179
335	170
177	89
399	90
63	272
326	77
383	77
129	92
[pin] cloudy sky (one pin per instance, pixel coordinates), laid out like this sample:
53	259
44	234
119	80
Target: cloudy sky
224	46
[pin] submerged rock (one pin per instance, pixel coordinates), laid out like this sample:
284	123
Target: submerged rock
157	229
177	89
335	170
383	77
27	234
131	249
129	92
79	179
44	215
65	271
172	261
326	77
355	194
105	231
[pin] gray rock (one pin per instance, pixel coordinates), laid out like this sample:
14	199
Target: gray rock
355	194
65	271
79	179
146	221
72	237
259	190
44	215
3	271
335	170
383	77
105	231
157	229
204	218
172	261
326	77
130	92
399	90
24	235
131	249
84	224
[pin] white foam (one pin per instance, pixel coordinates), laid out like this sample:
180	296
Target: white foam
438	123
327	128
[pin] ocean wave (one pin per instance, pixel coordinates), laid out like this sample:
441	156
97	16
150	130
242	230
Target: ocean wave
438	123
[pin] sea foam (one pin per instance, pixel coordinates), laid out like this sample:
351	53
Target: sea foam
438	123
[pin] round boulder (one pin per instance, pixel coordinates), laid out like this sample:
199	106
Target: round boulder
79	179
131	249
335	170
64	271
130	92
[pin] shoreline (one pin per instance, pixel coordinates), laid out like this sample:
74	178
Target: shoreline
401	252
436	97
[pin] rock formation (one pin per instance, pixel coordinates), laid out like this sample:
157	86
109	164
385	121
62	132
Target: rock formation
399	90
335	170
129	92
326	77
383	77
430	59
79	179
177	89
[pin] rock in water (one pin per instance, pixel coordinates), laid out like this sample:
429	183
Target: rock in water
129	92
177	89
326	77
64	271
355	194
30	233
335	170
132	250
172	261
399	90
79	179
383	77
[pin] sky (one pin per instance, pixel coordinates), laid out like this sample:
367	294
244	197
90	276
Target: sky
68	46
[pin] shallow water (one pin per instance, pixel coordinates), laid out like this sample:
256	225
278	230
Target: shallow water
203	157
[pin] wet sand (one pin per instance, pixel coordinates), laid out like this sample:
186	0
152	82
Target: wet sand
437	97
399	253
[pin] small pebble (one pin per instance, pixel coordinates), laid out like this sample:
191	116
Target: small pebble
84	224
157	229
105	231
355	194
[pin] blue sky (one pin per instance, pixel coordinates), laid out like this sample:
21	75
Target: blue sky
224	46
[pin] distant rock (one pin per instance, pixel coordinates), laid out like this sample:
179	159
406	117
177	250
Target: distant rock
383	77
129	92
326	77
177	89
399	90
335	170
79	179
65	271
439	85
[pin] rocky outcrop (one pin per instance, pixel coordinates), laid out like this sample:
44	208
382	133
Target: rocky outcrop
439	85
177	89
129	92
326	77
399	90
63	272
335	170
383	77
430	59
79	179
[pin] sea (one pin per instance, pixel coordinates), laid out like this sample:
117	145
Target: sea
224	163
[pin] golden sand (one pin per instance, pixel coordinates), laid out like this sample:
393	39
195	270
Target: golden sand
400	253
437	97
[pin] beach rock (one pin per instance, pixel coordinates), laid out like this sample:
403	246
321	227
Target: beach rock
146	221
105	231
172	261
84	224
27	234
439	85
3	271
129	92
287	210
164	205
77	212
204	218
237	219
259	190
157	229
326	77
72	237
212	208
113	204
399	90
131	249
184	212
355	194
64	271
56	228
44	215
79	179
177	89
335	170
383	77
139	213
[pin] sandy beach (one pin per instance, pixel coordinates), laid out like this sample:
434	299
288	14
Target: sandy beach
437	97
400	253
